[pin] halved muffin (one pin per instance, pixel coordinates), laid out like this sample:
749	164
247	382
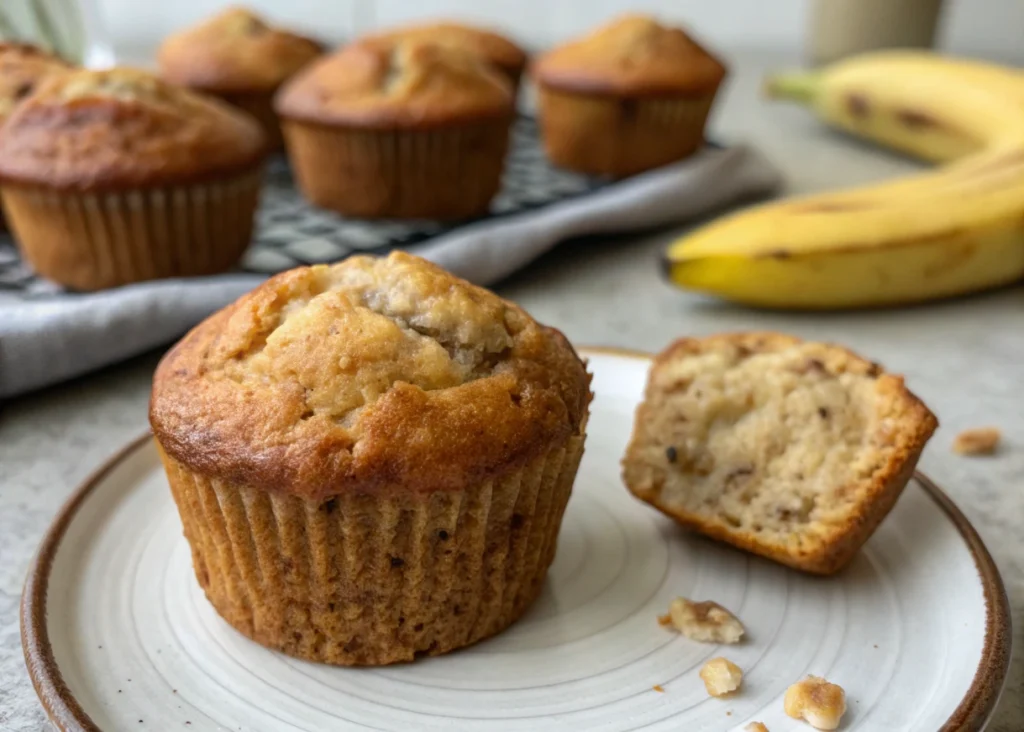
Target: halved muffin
789	449
371	459
240	58
631	96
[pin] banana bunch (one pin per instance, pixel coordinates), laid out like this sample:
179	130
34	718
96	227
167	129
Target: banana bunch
955	229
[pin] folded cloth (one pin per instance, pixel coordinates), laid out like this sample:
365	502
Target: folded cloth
52	336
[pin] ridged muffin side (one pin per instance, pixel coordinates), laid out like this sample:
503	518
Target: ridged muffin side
112	177
371	460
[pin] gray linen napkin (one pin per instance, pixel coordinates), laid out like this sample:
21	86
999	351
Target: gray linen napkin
49	337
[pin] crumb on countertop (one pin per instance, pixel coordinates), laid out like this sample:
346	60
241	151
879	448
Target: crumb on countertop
755	727
977	441
659	688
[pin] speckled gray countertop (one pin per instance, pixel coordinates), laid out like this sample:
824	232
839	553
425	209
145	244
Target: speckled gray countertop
965	358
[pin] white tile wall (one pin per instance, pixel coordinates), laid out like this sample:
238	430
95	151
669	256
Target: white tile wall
989	27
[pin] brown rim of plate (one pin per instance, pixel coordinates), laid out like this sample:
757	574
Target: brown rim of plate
67	714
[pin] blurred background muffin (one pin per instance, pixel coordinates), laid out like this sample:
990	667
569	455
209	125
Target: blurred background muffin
392	448
398	129
238	57
497	50
111	177
22	66
631	96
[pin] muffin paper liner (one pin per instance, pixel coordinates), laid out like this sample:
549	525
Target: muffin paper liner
92	241
450	173
364	579
619	137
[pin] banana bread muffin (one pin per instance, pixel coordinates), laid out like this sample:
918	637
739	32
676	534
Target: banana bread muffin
632	96
398	129
370	459
22	66
496	50
237	56
788	449
111	177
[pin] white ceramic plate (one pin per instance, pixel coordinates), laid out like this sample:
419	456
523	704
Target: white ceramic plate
119	636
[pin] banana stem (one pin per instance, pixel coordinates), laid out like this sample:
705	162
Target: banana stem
797	86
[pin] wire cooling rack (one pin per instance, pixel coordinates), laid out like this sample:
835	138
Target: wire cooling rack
291	232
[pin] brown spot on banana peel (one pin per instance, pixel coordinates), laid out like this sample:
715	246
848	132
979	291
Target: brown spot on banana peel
775	254
858	106
832	207
918	120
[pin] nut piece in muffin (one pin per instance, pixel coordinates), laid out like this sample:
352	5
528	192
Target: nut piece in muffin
817	702
789	449
494	49
371	460
398	129
237	56
111	177
632	96
707	622
22	66
721	676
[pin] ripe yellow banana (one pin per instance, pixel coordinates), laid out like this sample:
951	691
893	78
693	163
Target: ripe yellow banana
956	229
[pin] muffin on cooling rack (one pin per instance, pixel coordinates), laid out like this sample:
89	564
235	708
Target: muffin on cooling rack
22	66
495	49
398	129
370	459
237	56
111	177
633	95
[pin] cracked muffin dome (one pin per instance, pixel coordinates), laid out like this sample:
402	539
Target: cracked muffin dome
234	51
634	55
491	47
371	460
22	67
121	127
391	82
789	449
398	129
367	375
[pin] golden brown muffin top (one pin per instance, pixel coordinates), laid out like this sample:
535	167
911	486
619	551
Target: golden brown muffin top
396	84
369	375
631	56
123	128
22	66
234	51
491	47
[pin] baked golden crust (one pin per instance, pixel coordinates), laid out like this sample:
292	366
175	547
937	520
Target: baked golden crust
234	51
367	376
493	48
396	84
633	56
123	128
895	426
22	66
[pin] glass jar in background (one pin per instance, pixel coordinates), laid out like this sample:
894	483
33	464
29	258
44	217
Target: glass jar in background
841	28
70	28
